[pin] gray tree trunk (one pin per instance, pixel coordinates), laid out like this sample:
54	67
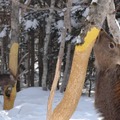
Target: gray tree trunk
15	22
46	43
40	56
113	23
32	57
15	26
67	69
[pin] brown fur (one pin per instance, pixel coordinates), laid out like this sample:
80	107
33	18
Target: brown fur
6	79
107	97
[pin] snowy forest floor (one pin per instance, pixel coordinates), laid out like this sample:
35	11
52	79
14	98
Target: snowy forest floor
31	104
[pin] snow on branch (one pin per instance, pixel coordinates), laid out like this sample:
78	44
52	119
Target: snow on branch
3	32
31	24
27	2
94	2
25	6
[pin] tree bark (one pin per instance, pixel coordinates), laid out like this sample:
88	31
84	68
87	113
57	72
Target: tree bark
2	57
13	66
59	61
13	56
113	23
29	65
15	22
46	43
40	56
32	57
57	74
67	67
68	104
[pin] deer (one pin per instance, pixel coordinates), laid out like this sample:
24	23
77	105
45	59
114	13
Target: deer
107	63
7	80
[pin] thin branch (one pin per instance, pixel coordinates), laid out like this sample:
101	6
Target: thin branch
25	6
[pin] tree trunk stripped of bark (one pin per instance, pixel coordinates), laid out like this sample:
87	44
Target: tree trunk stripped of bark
57	74
98	12
113	23
13	57
59	61
46	43
13	66
9	101
67	106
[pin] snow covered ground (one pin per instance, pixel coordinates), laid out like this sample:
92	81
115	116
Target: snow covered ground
31	104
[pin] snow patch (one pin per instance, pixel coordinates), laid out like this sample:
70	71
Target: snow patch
86	12
31	104
31	24
3	32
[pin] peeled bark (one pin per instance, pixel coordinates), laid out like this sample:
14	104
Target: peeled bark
13	66
9	101
13	56
96	18
67	106
59	60
57	74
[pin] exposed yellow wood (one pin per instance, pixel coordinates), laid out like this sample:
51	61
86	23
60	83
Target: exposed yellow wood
68	104
9	101
13	58
91	35
13	66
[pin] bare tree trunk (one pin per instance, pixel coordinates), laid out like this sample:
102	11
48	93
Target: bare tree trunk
59	60
67	106
13	56
57	74
29	58
98	12
113	23
2	57
32	57
15	22
40	56
46	43
67	69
